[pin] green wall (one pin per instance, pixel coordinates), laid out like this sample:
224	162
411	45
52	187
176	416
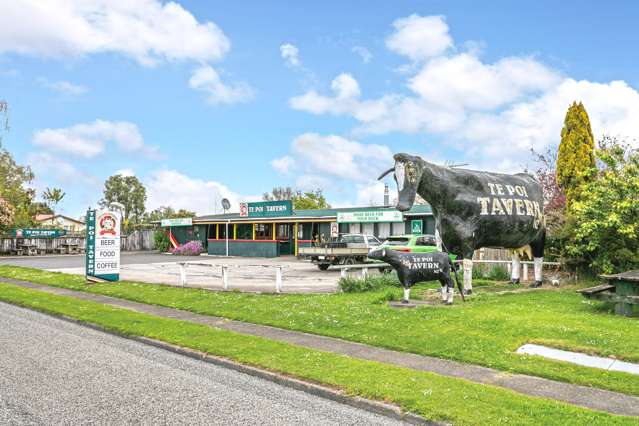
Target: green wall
244	248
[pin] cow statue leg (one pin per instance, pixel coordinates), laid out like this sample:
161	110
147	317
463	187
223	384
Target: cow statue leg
406	298
537	247
448	290
514	275
538	272
444	292
467	266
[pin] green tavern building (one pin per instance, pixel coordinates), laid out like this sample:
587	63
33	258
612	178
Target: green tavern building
273	228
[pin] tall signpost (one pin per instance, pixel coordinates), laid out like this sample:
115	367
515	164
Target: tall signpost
103	245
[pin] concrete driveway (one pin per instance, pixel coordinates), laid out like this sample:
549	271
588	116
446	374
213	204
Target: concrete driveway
244	273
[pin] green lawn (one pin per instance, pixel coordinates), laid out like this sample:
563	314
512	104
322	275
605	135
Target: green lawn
430	395
485	330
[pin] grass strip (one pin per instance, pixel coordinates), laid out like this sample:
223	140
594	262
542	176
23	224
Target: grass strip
432	396
487	330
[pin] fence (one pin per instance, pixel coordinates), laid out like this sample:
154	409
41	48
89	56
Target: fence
136	241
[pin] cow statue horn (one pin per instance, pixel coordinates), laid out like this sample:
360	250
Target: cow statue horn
392	169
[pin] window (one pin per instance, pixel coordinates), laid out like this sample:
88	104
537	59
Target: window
372	241
283	231
244	231
354	228
398	228
396	241
383	230
263	231
426	240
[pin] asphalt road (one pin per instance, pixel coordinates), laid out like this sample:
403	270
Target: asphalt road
77	261
55	372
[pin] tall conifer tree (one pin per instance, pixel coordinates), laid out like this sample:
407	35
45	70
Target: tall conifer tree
576	156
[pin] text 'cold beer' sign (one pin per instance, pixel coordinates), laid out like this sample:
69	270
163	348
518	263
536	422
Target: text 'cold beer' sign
103	245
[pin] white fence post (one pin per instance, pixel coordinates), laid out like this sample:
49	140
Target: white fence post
364	273
344	273
525	275
225	277
183	274
278	279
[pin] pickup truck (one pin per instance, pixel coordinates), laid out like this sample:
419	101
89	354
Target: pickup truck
349	249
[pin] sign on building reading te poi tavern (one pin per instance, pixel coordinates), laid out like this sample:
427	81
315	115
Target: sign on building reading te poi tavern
266	209
38	233
370	216
103	245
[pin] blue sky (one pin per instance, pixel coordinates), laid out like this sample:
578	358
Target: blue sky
204	100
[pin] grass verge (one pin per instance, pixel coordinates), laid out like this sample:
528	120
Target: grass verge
485	331
430	395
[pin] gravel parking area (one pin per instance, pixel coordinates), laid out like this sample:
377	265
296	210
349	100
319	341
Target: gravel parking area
55	372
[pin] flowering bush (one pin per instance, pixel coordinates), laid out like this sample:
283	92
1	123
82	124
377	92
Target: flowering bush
192	248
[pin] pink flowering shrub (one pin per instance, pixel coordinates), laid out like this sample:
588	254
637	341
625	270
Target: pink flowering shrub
192	248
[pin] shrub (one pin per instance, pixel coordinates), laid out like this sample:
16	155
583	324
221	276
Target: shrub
192	248
370	283
490	272
161	240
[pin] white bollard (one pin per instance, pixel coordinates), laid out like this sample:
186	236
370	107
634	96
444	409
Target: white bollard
344	273
278	279
182	274
225	277
364	273
525	274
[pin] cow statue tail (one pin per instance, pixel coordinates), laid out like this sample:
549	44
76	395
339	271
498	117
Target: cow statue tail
453	267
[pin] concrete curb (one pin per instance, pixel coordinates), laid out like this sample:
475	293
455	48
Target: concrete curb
377	407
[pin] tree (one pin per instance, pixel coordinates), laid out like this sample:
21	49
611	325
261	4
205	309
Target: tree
53	196
576	158
6	215
309	200
130	192
605	218
167	212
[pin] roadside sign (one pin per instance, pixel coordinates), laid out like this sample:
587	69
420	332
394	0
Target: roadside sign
37	233
178	221
266	209
416	227
103	245
367	216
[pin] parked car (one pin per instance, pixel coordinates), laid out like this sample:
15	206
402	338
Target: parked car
411	243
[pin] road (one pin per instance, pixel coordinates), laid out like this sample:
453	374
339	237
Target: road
77	261
56	372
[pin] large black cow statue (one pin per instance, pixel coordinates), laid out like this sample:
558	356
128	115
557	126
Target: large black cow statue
475	209
417	267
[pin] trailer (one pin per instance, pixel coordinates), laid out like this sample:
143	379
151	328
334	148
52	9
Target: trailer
349	249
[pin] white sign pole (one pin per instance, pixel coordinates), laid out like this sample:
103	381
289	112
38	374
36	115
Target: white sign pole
227	237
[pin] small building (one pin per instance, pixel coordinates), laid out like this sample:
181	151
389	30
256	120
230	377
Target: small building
273	228
60	221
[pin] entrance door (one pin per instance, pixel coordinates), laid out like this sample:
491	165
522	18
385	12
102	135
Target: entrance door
286	238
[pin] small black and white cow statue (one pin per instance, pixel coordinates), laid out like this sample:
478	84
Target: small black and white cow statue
417	267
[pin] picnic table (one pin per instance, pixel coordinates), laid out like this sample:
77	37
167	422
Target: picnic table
622	290
69	247
26	248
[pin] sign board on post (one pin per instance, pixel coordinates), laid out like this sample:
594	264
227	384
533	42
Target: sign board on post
37	233
266	209
103	245
416	227
367	216
178	221
334	230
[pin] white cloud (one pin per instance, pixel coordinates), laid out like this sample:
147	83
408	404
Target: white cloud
125	172
372	194
420	37
290	54
283	164
64	87
175	189
88	140
207	80
493	112
363	53
149	31
341	158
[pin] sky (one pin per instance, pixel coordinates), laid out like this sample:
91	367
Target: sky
203	100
